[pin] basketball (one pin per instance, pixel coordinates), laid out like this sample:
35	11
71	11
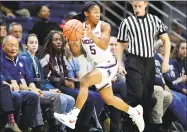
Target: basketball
73	30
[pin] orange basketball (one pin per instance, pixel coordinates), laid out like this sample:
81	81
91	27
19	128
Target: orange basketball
73	30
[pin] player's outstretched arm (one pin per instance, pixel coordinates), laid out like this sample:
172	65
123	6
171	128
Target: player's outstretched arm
75	47
103	41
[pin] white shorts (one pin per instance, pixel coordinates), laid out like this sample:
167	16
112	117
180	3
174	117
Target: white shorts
108	70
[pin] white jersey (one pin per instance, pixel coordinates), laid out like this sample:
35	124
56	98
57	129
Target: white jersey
94	53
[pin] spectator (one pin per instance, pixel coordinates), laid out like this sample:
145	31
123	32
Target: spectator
114	48
3	32
178	104
52	60
179	58
73	66
8	59
34	66
43	26
14	68
10	105
179	67
177	29
161	93
11	9
16	30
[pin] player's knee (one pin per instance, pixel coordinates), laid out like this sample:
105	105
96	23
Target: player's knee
84	83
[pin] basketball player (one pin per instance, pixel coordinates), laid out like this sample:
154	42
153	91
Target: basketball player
105	66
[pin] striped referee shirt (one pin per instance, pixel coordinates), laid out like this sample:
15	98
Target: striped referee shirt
140	34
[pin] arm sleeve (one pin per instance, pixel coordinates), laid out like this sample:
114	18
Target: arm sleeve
28	72
5	73
123	32
161	28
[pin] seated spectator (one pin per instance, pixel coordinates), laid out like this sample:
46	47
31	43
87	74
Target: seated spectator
10	105
43	26
161	93
30	100
14	68
179	63
16	30
113	46
178	104
52	61
11	9
34	66
72	64
177	29
3	32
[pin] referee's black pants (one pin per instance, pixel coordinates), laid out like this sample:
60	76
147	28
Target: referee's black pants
140	81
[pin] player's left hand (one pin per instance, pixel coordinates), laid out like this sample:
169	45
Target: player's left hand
165	67
88	31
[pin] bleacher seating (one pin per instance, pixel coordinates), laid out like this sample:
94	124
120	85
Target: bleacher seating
58	9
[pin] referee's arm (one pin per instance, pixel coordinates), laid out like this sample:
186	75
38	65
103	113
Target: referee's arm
123	44
167	45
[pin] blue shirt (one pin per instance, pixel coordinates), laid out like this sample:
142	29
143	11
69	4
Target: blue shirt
15	69
73	68
45	85
168	77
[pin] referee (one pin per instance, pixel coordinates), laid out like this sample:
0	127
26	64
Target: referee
139	32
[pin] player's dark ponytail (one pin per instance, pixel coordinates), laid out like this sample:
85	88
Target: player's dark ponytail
80	16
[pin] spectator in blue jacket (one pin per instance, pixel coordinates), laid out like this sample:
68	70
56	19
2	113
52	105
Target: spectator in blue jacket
179	63
161	93
9	63
10	105
34	66
178	104
14	68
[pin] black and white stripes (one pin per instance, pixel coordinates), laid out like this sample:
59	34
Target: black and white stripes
140	33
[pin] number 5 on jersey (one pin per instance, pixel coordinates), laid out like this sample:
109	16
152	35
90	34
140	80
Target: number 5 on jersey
92	49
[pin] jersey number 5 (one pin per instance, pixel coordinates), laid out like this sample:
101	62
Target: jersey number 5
92	49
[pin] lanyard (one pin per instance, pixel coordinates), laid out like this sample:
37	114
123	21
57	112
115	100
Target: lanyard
73	67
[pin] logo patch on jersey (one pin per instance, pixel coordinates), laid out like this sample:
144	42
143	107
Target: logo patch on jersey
87	41
108	72
96	33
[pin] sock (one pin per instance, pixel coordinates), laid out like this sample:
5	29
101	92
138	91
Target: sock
76	111
131	110
11	119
